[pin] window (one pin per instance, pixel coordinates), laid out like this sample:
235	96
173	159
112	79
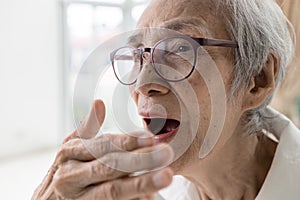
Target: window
86	25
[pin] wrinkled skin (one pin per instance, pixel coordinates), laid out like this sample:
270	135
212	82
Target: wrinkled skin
239	160
77	174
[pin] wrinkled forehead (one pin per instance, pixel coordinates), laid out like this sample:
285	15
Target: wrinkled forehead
177	27
190	17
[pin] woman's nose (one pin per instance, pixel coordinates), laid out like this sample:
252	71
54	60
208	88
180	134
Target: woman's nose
148	82
146	56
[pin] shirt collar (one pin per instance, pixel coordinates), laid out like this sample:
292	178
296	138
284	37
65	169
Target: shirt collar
283	179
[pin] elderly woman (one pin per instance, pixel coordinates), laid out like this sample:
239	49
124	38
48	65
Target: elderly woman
192	57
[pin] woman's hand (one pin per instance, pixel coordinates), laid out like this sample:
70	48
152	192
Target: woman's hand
89	167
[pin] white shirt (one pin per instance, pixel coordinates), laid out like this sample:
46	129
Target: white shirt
283	179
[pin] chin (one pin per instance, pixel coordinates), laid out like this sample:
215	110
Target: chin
183	162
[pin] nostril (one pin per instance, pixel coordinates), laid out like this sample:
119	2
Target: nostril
154	92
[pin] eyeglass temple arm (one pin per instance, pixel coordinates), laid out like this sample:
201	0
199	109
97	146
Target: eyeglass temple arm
216	42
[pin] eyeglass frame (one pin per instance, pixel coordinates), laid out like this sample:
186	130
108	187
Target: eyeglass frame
195	42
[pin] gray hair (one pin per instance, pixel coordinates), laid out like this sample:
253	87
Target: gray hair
259	27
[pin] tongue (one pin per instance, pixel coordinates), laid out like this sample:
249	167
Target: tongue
170	125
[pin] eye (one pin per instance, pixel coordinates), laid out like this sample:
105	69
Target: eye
183	48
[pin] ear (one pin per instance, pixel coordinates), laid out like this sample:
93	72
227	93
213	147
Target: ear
261	85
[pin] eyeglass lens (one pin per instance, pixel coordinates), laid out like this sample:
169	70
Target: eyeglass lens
172	58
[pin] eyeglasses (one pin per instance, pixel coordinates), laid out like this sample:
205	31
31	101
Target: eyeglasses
173	58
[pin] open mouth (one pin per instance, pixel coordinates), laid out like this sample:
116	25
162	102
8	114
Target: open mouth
162	128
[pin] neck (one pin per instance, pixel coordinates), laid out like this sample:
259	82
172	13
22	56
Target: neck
235	171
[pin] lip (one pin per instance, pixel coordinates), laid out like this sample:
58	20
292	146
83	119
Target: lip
164	136
153	114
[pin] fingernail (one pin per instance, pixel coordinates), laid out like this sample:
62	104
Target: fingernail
162	179
144	142
144	138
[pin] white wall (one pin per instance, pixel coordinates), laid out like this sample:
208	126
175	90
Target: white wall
30	65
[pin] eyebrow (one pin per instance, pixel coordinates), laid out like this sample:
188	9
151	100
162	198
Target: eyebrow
134	38
175	25
179	25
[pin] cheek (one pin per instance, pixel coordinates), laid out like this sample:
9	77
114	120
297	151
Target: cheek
202	91
212	91
204	101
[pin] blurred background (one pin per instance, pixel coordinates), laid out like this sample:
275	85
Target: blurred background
43	44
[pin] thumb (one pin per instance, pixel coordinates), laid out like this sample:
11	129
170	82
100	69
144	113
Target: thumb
91	124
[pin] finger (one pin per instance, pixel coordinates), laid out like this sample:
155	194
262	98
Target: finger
119	164
87	150
91	124
94	171
139	160
94	120
112	166
130	187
